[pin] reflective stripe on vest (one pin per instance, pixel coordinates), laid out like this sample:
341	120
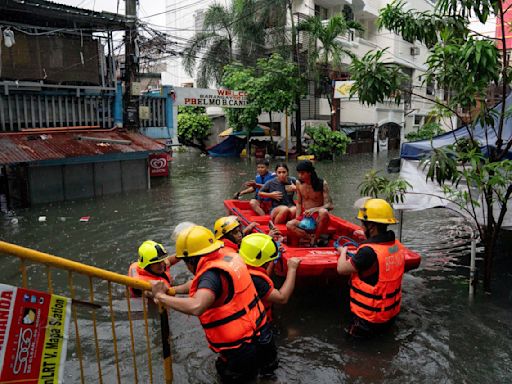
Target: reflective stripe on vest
380	303
139	273
260	272
239	320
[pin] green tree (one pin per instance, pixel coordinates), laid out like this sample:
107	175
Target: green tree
463	67
193	127
276	85
250	25
328	56
427	131
377	186
213	46
327	143
271	86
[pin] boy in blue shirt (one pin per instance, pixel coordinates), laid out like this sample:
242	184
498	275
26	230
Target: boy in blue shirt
259	205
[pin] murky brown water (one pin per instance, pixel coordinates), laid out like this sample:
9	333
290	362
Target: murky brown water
439	337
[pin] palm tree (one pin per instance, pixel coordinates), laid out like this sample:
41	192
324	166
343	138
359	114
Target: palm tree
330	53
217	40
235	33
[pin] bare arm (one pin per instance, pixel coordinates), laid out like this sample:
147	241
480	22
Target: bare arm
299	200
328	204
183	288
282	295
344	267
196	305
246	191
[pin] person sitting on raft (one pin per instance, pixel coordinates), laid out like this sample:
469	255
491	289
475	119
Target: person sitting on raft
153	265
259	204
281	191
313	200
258	250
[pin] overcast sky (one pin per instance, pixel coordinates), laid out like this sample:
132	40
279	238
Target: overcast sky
176	19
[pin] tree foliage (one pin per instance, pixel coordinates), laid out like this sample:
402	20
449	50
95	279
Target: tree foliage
427	131
327	143
330	52
377	186
247	25
193	127
271	86
463	66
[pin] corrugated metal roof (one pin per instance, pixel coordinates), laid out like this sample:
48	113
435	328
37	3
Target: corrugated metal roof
48	13
33	147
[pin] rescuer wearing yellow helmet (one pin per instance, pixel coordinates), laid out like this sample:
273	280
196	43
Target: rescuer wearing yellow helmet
375	271
223	296
230	232
257	250
152	265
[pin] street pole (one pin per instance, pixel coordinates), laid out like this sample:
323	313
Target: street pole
131	64
295	55
286	133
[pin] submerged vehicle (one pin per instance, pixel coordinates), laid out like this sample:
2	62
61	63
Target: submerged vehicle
315	261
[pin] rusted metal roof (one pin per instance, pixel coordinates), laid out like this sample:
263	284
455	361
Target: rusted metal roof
50	14
27	147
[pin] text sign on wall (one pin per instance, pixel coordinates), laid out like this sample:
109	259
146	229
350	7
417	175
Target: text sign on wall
201	97
33	335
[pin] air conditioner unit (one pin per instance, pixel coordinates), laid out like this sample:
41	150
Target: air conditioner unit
415	51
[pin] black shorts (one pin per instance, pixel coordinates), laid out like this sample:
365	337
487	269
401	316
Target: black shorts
238	365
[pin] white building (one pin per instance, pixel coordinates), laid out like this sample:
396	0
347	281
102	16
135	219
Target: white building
388	117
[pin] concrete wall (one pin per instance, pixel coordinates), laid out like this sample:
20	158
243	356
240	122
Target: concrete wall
77	181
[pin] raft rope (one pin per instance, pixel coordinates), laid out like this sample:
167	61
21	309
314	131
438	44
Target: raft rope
349	241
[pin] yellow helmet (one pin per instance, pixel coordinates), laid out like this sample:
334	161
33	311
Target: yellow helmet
377	211
196	241
257	249
151	252
225	225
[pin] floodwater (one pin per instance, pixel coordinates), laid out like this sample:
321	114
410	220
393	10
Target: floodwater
440	336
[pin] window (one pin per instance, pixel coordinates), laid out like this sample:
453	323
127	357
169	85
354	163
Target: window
430	88
348	13
321	12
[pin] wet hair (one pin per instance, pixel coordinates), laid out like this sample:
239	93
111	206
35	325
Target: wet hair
264	162
316	182
283	165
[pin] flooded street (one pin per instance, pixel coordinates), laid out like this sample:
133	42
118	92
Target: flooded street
439	336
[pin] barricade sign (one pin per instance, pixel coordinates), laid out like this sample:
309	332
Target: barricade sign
33	335
158	165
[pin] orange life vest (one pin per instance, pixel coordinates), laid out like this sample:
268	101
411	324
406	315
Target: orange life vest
262	273
239	320
139	273
380	303
229	244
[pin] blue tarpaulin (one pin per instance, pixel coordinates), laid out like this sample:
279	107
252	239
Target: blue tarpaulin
485	135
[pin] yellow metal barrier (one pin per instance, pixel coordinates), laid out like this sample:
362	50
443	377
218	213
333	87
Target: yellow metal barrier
51	261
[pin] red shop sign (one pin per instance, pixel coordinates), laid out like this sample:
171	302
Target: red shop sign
158	165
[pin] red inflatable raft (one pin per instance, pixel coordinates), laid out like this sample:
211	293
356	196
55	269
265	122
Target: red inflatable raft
316	261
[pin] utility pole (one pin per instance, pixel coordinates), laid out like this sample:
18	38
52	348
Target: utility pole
131	70
295	54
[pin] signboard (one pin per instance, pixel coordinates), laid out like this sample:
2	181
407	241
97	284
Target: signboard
158	165
342	89
33	335
201	97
